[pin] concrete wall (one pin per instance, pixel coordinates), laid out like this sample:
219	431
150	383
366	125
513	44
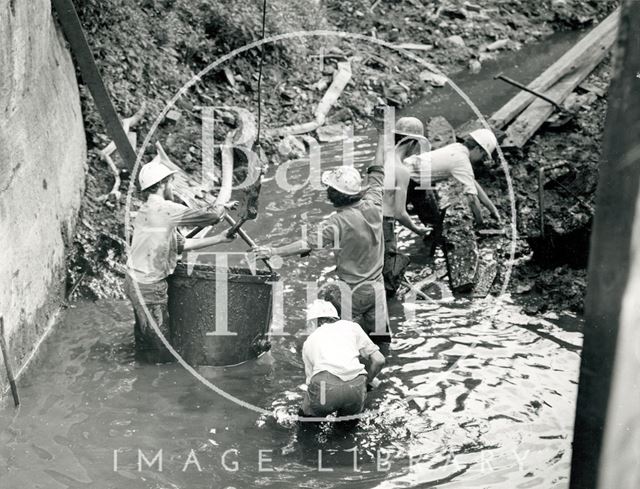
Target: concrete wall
42	170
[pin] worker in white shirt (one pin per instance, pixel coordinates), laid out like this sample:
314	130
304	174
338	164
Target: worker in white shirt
336	380
456	161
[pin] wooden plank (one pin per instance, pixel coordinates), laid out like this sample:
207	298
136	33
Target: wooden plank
527	123
72	28
600	39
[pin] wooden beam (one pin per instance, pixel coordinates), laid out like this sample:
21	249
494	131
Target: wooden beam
72	28
600	39
607	427
534	116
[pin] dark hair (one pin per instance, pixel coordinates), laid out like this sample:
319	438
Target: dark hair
332	293
471	144
338	199
325	320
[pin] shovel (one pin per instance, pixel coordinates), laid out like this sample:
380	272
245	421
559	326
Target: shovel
564	116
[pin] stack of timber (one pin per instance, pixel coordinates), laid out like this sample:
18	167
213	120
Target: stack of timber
522	116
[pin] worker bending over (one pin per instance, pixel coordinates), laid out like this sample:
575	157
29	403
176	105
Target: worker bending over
456	161
355	234
154	252
336	380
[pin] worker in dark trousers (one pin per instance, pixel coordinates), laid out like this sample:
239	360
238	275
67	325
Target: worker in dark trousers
154	252
355	234
336	380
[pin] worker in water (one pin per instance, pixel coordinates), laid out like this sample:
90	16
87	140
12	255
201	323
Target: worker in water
336	380
355	234
154	252
408	140
456	161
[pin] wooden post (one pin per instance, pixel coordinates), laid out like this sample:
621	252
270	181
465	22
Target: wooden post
607	430
7	364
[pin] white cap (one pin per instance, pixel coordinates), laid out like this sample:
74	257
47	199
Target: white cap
321	309
345	179
153	172
485	139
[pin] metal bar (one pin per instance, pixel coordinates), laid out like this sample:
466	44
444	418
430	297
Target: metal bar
541	199
7	364
500	76
72	28
237	230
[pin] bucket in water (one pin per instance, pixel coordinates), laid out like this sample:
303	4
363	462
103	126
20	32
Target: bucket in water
216	321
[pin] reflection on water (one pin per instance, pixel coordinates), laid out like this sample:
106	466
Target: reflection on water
466	401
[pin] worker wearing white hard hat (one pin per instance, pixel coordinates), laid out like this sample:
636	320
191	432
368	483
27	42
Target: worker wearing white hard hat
155	248
455	161
354	232
336	380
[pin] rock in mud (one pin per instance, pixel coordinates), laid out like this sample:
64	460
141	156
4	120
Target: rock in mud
332	133
456	41
434	79
291	147
440	132
497	45
475	66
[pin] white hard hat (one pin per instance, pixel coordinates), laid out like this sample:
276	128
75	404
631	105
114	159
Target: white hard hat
345	179
485	139
153	172
321	309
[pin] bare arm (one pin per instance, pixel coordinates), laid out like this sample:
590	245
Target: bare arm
375	364
198	243
400	201
474	204
486	201
295	248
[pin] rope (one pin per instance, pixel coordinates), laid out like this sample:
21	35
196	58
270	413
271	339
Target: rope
264	20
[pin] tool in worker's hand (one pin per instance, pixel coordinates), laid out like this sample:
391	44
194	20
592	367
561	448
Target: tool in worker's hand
245	237
564	115
7	364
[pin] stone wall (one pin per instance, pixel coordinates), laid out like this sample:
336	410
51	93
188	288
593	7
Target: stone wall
42	170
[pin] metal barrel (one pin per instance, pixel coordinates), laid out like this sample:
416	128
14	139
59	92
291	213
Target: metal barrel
220	316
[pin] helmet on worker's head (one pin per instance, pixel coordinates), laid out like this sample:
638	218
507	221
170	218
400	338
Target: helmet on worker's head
321	309
485	139
345	179
411	127
153	172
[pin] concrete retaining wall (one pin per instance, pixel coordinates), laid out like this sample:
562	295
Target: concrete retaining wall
42	170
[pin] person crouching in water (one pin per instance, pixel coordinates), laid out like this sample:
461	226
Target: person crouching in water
154	252
355	234
336	380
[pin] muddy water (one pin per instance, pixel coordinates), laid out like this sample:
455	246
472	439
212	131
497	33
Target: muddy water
474	395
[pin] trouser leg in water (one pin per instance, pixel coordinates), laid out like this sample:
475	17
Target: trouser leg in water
154	296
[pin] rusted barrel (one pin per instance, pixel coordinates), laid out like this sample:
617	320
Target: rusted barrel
198	308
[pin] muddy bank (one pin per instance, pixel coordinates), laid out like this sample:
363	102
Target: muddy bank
149	49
